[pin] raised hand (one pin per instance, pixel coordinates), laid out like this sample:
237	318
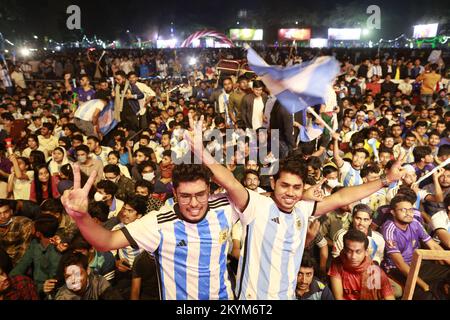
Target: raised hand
195	139
397	172
76	201
315	193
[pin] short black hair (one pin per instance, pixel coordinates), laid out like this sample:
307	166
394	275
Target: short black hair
189	173
138	203
94	138
444	150
144	184
83	148
295	167
421	152
362	207
74	258
52	205
99	210
46	224
328	169
108	186
399	198
112	168
308	261
356	236
361	150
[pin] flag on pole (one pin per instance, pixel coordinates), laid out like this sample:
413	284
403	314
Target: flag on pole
299	86
310	133
106	119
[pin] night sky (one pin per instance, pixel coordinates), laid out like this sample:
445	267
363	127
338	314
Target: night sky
21	19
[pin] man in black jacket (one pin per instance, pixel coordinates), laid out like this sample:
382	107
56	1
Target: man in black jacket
127	95
281	119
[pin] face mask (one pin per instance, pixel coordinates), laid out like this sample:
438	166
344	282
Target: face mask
27	116
23	103
6	224
82	159
98	197
330	153
73	282
148	176
332	183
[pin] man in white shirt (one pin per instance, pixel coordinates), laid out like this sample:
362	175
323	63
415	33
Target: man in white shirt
149	94
18	78
47	140
405	87
87	114
253	106
224	98
126	65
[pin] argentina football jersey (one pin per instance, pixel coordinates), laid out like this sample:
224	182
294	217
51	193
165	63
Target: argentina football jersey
274	242
191	257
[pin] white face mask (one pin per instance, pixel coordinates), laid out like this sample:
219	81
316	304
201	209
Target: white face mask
332	183
27	116
73	282
98	197
148	176
23	103
82	159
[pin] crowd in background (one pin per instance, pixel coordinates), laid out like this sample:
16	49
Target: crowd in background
55	108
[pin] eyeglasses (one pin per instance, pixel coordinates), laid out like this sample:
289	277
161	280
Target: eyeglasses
405	210
186	198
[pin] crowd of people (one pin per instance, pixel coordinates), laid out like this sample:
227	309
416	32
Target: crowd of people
95	204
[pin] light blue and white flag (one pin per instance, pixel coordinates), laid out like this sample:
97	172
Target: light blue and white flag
106	119
310	133
299	86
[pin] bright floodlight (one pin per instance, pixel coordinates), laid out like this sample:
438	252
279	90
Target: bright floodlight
25	52
365	32
192	61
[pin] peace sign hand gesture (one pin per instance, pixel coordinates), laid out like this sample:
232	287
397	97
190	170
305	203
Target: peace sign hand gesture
75	201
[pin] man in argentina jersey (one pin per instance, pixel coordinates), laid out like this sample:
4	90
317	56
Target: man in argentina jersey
188	237
350	173
275	228
191	257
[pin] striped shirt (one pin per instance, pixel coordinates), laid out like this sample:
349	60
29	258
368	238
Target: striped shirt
128	254
273	247
86	110
349	175
191	257
376	245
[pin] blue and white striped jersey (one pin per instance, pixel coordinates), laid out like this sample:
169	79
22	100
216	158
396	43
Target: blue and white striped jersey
273	247
349	175
192	257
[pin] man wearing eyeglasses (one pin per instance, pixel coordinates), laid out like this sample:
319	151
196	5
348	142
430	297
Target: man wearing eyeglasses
403	236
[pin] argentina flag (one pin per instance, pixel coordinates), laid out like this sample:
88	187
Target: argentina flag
309	133
299	86
106	119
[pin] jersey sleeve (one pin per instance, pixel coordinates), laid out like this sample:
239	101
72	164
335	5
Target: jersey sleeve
389	237
346	166
334	270
255	202
439	221
338	243
423	235
143	233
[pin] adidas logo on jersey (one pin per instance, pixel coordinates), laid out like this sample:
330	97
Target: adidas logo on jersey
182	243
276	220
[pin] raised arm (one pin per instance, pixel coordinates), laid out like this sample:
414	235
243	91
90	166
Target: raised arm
349	195
222	176
336	157
76	204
